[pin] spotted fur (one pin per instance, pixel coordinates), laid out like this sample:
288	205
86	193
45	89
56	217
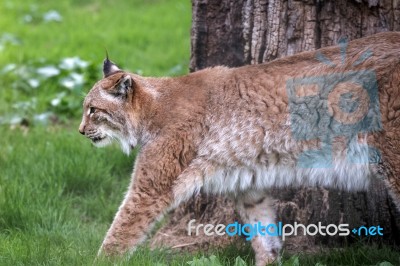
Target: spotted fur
228	131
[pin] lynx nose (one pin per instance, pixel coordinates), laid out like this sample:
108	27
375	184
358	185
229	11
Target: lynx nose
82	129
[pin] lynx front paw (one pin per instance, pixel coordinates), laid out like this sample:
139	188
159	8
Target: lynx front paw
265	259
110	249
266	249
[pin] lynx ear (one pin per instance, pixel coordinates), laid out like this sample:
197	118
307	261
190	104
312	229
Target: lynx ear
109	67
123	86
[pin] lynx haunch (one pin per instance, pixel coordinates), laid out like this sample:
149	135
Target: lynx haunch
231	131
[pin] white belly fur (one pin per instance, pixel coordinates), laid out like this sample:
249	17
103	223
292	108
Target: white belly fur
226	175
233	180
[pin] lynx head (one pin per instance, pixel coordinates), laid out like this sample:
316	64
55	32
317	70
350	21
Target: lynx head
109	112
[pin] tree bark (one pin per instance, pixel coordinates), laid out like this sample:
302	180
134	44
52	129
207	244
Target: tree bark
239	32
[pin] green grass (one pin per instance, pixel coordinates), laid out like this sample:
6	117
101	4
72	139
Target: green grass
148	37
358	254
58	194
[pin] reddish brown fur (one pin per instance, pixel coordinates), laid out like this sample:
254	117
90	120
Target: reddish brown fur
170	117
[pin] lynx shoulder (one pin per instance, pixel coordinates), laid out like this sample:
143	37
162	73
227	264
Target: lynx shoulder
329	117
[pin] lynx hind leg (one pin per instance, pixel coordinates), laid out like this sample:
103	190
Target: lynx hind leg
390	167
254	207
389	141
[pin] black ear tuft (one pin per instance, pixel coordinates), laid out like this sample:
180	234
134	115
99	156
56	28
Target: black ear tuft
109	67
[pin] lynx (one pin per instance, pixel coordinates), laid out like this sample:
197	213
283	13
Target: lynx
328	118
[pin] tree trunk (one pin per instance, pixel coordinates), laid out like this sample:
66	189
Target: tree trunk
239	32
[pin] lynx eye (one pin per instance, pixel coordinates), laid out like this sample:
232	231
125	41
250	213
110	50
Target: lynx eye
91	110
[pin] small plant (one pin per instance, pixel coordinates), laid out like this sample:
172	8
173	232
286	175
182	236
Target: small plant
61	82
214	261
35	16
203	261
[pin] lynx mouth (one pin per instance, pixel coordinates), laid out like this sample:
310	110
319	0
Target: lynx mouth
97	139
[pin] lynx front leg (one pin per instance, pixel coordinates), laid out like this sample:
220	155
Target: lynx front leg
256	207
149	196
136	216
